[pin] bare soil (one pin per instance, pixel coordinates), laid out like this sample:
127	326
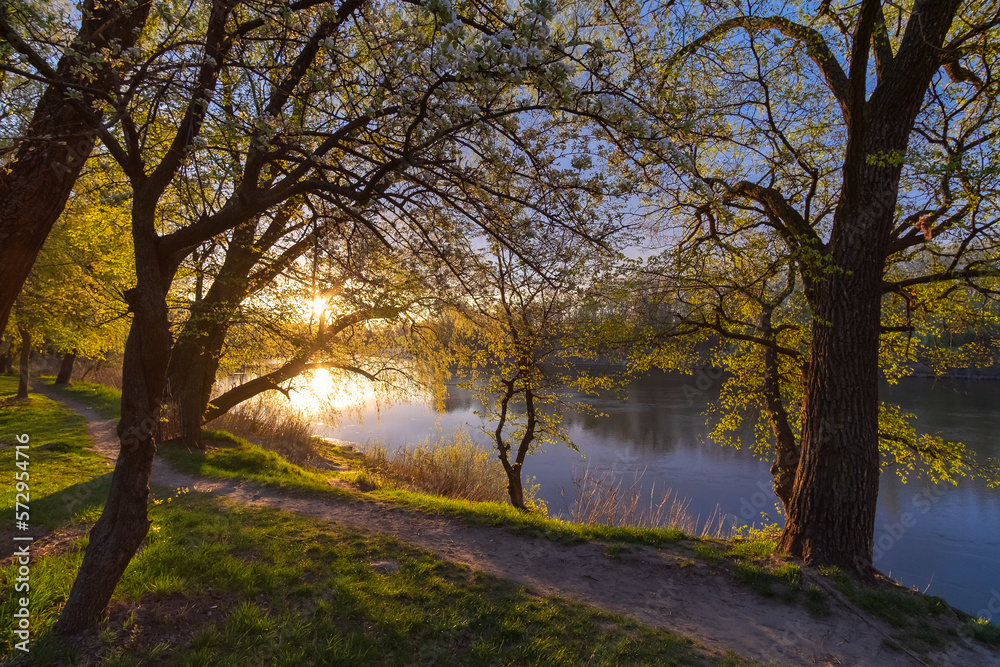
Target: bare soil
667	588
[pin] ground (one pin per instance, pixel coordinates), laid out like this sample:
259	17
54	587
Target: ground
665	587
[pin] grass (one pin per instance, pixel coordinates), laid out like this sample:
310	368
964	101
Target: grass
752	561
266	587
105	400
601	498
916	619
66	480
267	422
238	459
530	523
217	583
221	584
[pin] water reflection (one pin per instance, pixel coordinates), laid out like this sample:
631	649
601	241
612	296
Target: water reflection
942	538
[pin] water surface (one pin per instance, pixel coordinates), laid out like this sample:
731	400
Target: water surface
942	539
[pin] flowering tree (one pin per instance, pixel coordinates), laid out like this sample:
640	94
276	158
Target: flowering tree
252	106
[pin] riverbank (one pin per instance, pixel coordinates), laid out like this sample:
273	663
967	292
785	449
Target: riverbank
242	556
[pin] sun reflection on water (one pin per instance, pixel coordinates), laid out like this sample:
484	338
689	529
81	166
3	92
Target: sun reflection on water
322	390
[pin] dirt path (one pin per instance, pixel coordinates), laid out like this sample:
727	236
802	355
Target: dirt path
661	588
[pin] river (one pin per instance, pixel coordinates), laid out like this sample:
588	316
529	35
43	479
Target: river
941	539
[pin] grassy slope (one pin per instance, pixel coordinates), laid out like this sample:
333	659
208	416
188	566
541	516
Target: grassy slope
750	562
220	584
105	400
66	481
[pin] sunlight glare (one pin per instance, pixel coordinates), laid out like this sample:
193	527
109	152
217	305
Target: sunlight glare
326	390
317	306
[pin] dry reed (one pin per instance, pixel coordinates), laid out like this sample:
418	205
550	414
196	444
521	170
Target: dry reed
602	499
266	422
455	468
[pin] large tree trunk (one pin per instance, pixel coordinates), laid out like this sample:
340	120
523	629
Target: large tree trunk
831	518
22	381
124	522
66	369
831	515
194	364
194	360
35	186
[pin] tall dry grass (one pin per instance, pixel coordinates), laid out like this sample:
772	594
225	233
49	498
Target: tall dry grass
272	425
454	468
600	498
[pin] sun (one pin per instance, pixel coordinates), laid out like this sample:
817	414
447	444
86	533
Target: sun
317	306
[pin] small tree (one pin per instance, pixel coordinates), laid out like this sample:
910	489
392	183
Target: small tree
521	330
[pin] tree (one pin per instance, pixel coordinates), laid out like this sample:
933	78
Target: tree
67	116
336	312
512	341
851	164
69	303
356	102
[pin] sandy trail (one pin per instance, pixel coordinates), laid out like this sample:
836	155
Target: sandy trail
664	588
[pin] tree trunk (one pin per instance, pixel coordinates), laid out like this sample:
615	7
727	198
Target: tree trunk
124	522
194	360
35	186
831	518
22	382
831	514
66	369
222	404
194	364
514	487
6	363
787	452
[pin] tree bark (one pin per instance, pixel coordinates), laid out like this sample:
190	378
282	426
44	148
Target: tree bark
124	522
831	513
515	488
194	360
194	364
831	518
787	452
66	369
34	188
22	382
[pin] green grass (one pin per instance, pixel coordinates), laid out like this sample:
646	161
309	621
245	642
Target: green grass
916	619
616	550
751	562
289	590
105	400
217	583
65	480
239	459
530	523
983	631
